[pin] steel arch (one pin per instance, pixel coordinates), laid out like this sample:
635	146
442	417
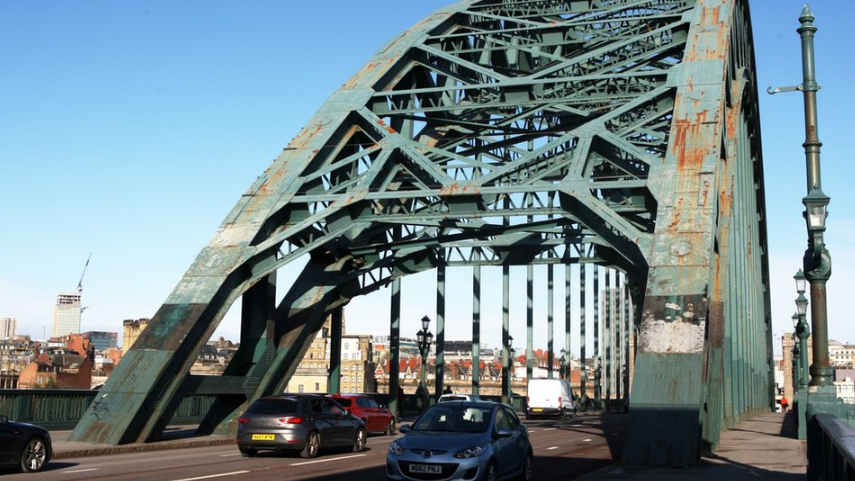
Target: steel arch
495	133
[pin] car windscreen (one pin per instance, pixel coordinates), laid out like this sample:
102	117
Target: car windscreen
273	406
456	418
345	402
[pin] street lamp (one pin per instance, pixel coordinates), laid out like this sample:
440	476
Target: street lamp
797	366
511	358
562	361
816	260
425	338
801	325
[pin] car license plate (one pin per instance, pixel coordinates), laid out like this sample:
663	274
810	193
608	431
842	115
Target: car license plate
263	437
425	468
537	410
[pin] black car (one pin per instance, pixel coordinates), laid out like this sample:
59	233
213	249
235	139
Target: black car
25	446
305	423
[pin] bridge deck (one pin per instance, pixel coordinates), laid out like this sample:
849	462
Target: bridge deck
765	447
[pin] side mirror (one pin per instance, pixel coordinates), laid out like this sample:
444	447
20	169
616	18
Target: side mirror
504	433
403	428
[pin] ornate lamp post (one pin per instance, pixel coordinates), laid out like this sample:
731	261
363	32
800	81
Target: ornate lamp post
562	360
797	366
817	260
511	363
802	328
424	337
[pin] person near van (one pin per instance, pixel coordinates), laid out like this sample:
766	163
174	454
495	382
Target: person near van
447	390
784	404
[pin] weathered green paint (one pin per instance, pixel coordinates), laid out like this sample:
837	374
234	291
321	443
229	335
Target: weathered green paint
500	134
710	252
440	331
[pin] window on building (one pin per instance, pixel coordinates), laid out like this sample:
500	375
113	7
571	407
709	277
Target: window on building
344	356
347	345
346	366
300	388
317	387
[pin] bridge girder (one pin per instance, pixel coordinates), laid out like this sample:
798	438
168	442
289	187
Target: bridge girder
491	133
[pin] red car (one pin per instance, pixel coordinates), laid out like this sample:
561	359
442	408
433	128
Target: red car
377	418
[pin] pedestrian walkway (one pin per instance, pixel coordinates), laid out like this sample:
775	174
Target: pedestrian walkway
764	448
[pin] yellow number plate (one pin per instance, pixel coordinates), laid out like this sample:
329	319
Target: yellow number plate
263	437
537	410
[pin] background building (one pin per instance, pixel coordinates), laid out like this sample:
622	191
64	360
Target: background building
356	371
132	330
101	341
66	314
8	327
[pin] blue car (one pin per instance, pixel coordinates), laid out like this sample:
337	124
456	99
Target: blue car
462	440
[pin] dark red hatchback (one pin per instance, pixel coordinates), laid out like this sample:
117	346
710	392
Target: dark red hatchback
377	418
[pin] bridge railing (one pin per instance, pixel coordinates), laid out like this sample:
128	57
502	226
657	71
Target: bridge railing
61	409
831	448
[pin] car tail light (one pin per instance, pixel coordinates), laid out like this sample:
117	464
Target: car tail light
559	400
291	420
243	420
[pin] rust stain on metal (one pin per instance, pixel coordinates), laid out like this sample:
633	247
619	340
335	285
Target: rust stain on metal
675	218
687	147
387	127
455	188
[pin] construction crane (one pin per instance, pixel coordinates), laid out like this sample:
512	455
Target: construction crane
80	282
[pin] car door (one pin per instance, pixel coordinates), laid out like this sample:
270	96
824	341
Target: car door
511	451
322	421
503	446
373	417
9	441
344	424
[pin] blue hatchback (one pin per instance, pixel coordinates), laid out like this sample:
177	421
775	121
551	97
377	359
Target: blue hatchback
462	440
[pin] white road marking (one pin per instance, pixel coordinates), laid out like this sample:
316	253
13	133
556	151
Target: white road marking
81	470
213	476
327	460
550	429
227	455
588	440
553	447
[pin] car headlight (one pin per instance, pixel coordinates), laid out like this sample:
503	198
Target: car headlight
473	452
396	449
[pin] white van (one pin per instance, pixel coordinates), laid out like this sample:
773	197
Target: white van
550	397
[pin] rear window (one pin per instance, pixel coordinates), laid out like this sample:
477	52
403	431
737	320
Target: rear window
273	406
454	398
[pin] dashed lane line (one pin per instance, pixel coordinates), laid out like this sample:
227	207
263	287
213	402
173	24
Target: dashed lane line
213	476
327	460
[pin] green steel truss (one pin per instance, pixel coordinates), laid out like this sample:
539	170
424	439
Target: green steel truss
621	133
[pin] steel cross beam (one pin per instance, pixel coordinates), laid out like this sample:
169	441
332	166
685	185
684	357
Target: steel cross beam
491	133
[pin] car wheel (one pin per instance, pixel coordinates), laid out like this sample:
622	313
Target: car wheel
563	414
313	445
390	428
525	475
248	452
490	473
34	456
359	442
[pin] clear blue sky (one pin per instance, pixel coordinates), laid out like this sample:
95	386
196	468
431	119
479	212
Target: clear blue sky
130	129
